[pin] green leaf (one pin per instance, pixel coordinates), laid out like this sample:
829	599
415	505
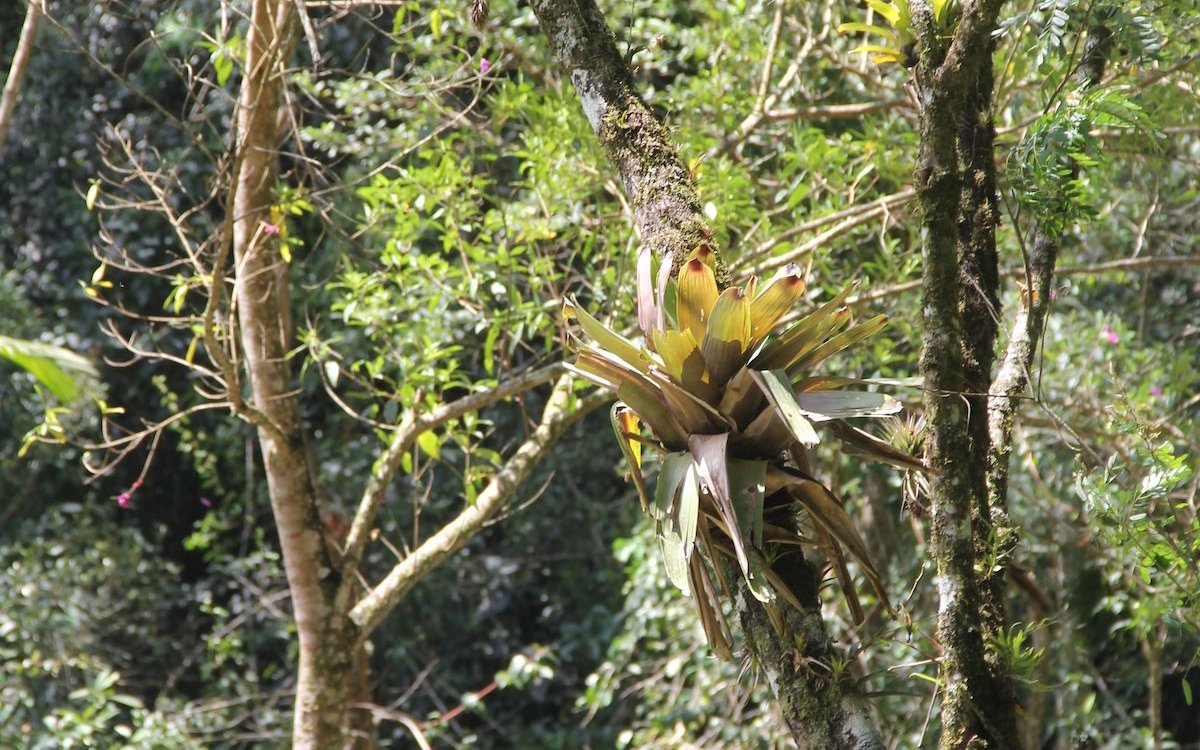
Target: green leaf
60	370
746	488
689	508
675	466
778	390
430	445
332	371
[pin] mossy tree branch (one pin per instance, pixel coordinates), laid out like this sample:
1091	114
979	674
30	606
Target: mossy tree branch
665	205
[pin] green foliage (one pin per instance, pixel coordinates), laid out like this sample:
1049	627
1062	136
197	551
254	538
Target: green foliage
1047	167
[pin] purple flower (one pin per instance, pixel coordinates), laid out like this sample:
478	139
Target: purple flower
1155	391
206	502
123	500
1109	335
484	66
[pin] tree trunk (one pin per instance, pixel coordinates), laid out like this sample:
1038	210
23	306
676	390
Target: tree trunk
956	189
326	643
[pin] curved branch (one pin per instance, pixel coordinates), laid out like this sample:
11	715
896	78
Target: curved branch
556	418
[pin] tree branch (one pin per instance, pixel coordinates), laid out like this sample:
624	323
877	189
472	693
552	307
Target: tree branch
388	464
20	63
556	418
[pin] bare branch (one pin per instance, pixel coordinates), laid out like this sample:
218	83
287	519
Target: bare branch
557	416
388	463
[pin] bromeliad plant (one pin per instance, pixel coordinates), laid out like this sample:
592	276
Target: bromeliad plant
732	411
900	39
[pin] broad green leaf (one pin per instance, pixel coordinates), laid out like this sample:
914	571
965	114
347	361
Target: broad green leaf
606	339
746	490
61	371
430	445
675	466
778	390
689	508
674	559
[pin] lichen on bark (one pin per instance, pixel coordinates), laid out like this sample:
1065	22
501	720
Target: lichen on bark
666	207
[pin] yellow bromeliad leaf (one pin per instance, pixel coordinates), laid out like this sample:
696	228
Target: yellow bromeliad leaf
683	362
802	336
625	425
727	341
776	299
606	339
880	54
890	11
696	294
870	28
837	343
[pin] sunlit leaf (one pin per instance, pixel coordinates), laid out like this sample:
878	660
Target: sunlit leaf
696	294
825	405
778	390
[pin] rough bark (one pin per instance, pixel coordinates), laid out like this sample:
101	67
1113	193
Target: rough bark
20	63
1013	377
665	205
261	293
821	711
956	190
667	212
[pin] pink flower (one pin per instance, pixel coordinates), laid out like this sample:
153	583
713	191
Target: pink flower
1109	335
1155	391
123	500
206	502
271	230
484	66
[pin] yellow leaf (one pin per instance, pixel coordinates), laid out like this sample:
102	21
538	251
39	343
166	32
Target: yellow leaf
697	293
